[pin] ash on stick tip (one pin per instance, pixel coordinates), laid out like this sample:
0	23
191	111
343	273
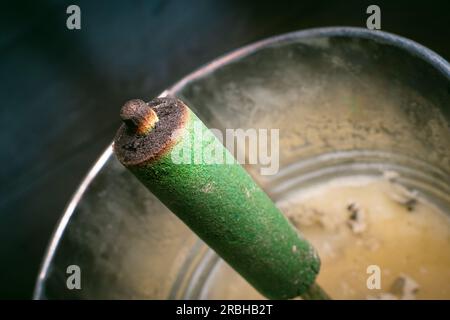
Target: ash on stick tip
138	116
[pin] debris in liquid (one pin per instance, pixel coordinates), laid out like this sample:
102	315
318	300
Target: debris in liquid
357	223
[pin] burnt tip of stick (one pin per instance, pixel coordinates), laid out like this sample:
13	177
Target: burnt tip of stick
138	116
149	129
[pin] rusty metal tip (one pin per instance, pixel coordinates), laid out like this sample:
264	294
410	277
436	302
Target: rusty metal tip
131	108
138	116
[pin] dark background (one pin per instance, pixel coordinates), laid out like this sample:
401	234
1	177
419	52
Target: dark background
61	90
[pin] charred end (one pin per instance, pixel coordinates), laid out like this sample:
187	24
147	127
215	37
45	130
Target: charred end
138	116
148	130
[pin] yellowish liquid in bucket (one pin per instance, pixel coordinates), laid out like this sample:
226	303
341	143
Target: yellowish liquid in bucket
355	224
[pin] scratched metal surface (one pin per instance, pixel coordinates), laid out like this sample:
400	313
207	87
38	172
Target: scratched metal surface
61	90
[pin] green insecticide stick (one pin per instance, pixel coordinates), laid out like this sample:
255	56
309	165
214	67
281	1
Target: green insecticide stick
218	200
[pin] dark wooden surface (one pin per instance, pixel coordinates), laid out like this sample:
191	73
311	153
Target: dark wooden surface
61	90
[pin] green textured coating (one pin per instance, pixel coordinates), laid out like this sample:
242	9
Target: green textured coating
224	206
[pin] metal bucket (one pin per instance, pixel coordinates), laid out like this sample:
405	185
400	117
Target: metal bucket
346	100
